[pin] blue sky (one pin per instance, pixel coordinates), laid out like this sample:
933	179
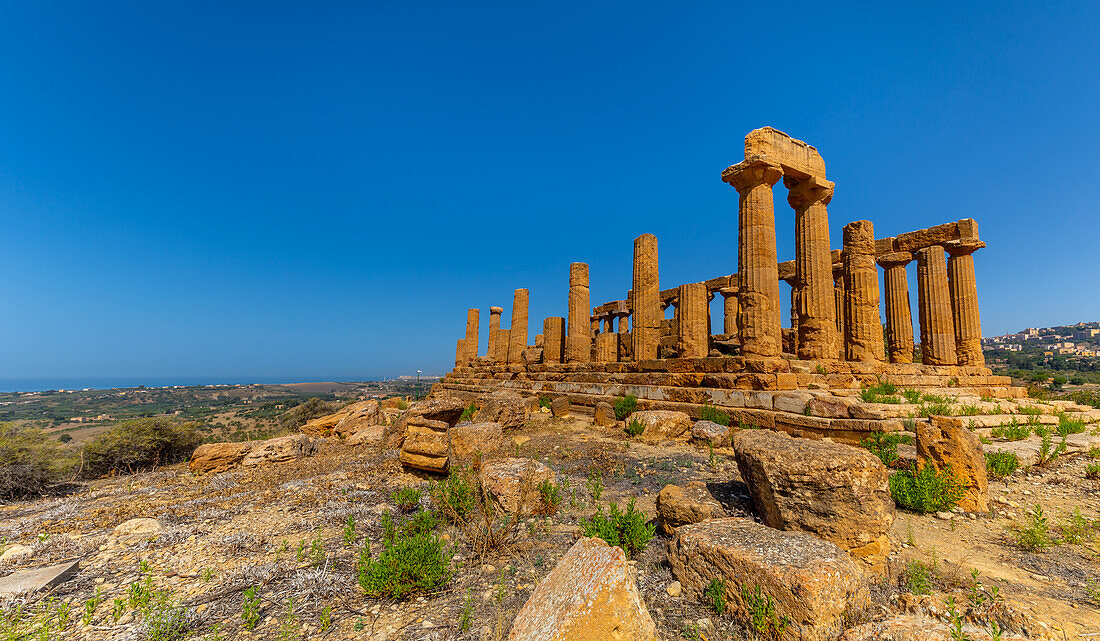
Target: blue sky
225	190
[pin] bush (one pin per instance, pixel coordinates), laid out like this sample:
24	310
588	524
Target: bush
885	446
550	496
28	461
299	415
880	393
627	530
1034	534
1011	431
545	401
716	594
1001	464
408	565
763	615
634	428
140	443
456	497
1092	471
714	415
625	406
926	490
407	498
1067	425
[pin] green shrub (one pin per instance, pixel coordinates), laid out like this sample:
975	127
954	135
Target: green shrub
918	576
550	496
627	530
714	415
1034	534
165	618
408	565
885	446
468	413
456	497
882	392
1092	471
1001	464
29	461
402	405
934	409
926	490
625	406
716	594
912	396
1048	452
762	613
545	401
250	609
407	498
1067	425
140	443
634	428
1012	431
423	523
970	410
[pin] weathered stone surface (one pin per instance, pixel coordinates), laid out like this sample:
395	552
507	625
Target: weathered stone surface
605	414
909	627
693	319
937	329
426	447
813	582
710	433
357	416
513	484
863	340
899	317
830	406
607	348
369	435
964	302
218	457
494	327
37	579
798	158
678	506
944	442
469	345
443	409
661	425
279	450
834	491
578	341
503	406
559	407
472	440
136	529
814	310
589	596
645	299
517	333
553	342
792	401
15	554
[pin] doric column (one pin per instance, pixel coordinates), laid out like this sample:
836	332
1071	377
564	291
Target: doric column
553	343
729	309
862	318
899	318
816	309
460	352
964	301
607	347
578	344
646	301
692	317
624	323
504	340
494	327
518	330
473	321
937	330
595	326
757	270
838	301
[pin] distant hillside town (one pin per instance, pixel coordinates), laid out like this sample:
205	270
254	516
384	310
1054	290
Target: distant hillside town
1070	349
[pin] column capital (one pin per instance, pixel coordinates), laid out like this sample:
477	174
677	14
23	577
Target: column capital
496	310
894	258
729	291
963	247
752	172
803	193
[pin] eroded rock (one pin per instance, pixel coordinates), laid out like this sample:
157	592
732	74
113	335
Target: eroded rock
710	433
279	450
914	628
472	440
218	457
505	407
945	441
661	425
513	484
678	506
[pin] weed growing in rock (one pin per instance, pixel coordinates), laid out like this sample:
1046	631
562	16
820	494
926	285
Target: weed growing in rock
716	594
885	446
1001	464
165	618
348	535
1092	471
118	607
634	428
468	413
1048	452
956	620
714	415
594	484
882	392
911	396
550	497
970	410
406	565
763	615
1092	590
918	576
625	406
545	401
402	405
1011	431
325	618
627	530
407	498
1067	425
1077	528
250	609
926	490
1034	534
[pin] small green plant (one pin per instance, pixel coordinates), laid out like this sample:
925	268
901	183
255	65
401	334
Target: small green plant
820	369
1034	534
1092	471
1067	425
762	612
970	410
1092	589
882	392
165	618
634	428
1094	451
325	618
545	401
90	606
940	408
422	523
625	406
117	609
456	497
1011	431
250	608
714	415
289	626
926	490
402	405
406	566
885	446
407	498
594	485
466	617
468	413
140	592
918	577
317	548
1077	528
1048	452
976	595
627	530
716	594
1001	464
956	621
207	575
911	396
348	535
550	497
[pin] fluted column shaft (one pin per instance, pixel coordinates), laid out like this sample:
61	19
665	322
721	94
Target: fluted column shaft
494	327
729	310
553	339
578	343
757	269
964	302
899	317
518	331
473	322
624	323
937	330
646	299
607	347
692	317
838	298
816	308
862	317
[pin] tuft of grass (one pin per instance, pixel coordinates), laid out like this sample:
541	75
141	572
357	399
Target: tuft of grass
1067	425
550	497
926	490
625	406
970	410
1001	464
1034	534
918	576
468	413
627	530
912	396
407	498
1012	431
714	415
634	428
763	615
716	594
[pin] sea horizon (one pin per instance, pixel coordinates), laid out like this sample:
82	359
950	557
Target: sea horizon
12	385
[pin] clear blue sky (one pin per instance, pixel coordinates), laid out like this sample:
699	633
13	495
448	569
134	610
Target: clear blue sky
321	190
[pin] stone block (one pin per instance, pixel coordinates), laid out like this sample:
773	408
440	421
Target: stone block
38	579
678	506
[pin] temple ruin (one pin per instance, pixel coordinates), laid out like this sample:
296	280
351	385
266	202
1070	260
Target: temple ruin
804	379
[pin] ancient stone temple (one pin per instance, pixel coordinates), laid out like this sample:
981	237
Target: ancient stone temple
843	334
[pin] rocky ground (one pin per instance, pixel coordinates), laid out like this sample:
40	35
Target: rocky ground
274	541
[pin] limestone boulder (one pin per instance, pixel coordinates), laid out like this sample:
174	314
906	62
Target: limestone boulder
358	416
944	442
426	445
914	628
137	529
678	506
591	595
504	407
837	492
559	407
471	441
812	582
218	457
15	554
369	435
445	410
830	406
605	415
710	433
279	450
321	426
513	484
661	425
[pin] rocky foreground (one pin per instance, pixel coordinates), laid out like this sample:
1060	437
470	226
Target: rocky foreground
757	535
